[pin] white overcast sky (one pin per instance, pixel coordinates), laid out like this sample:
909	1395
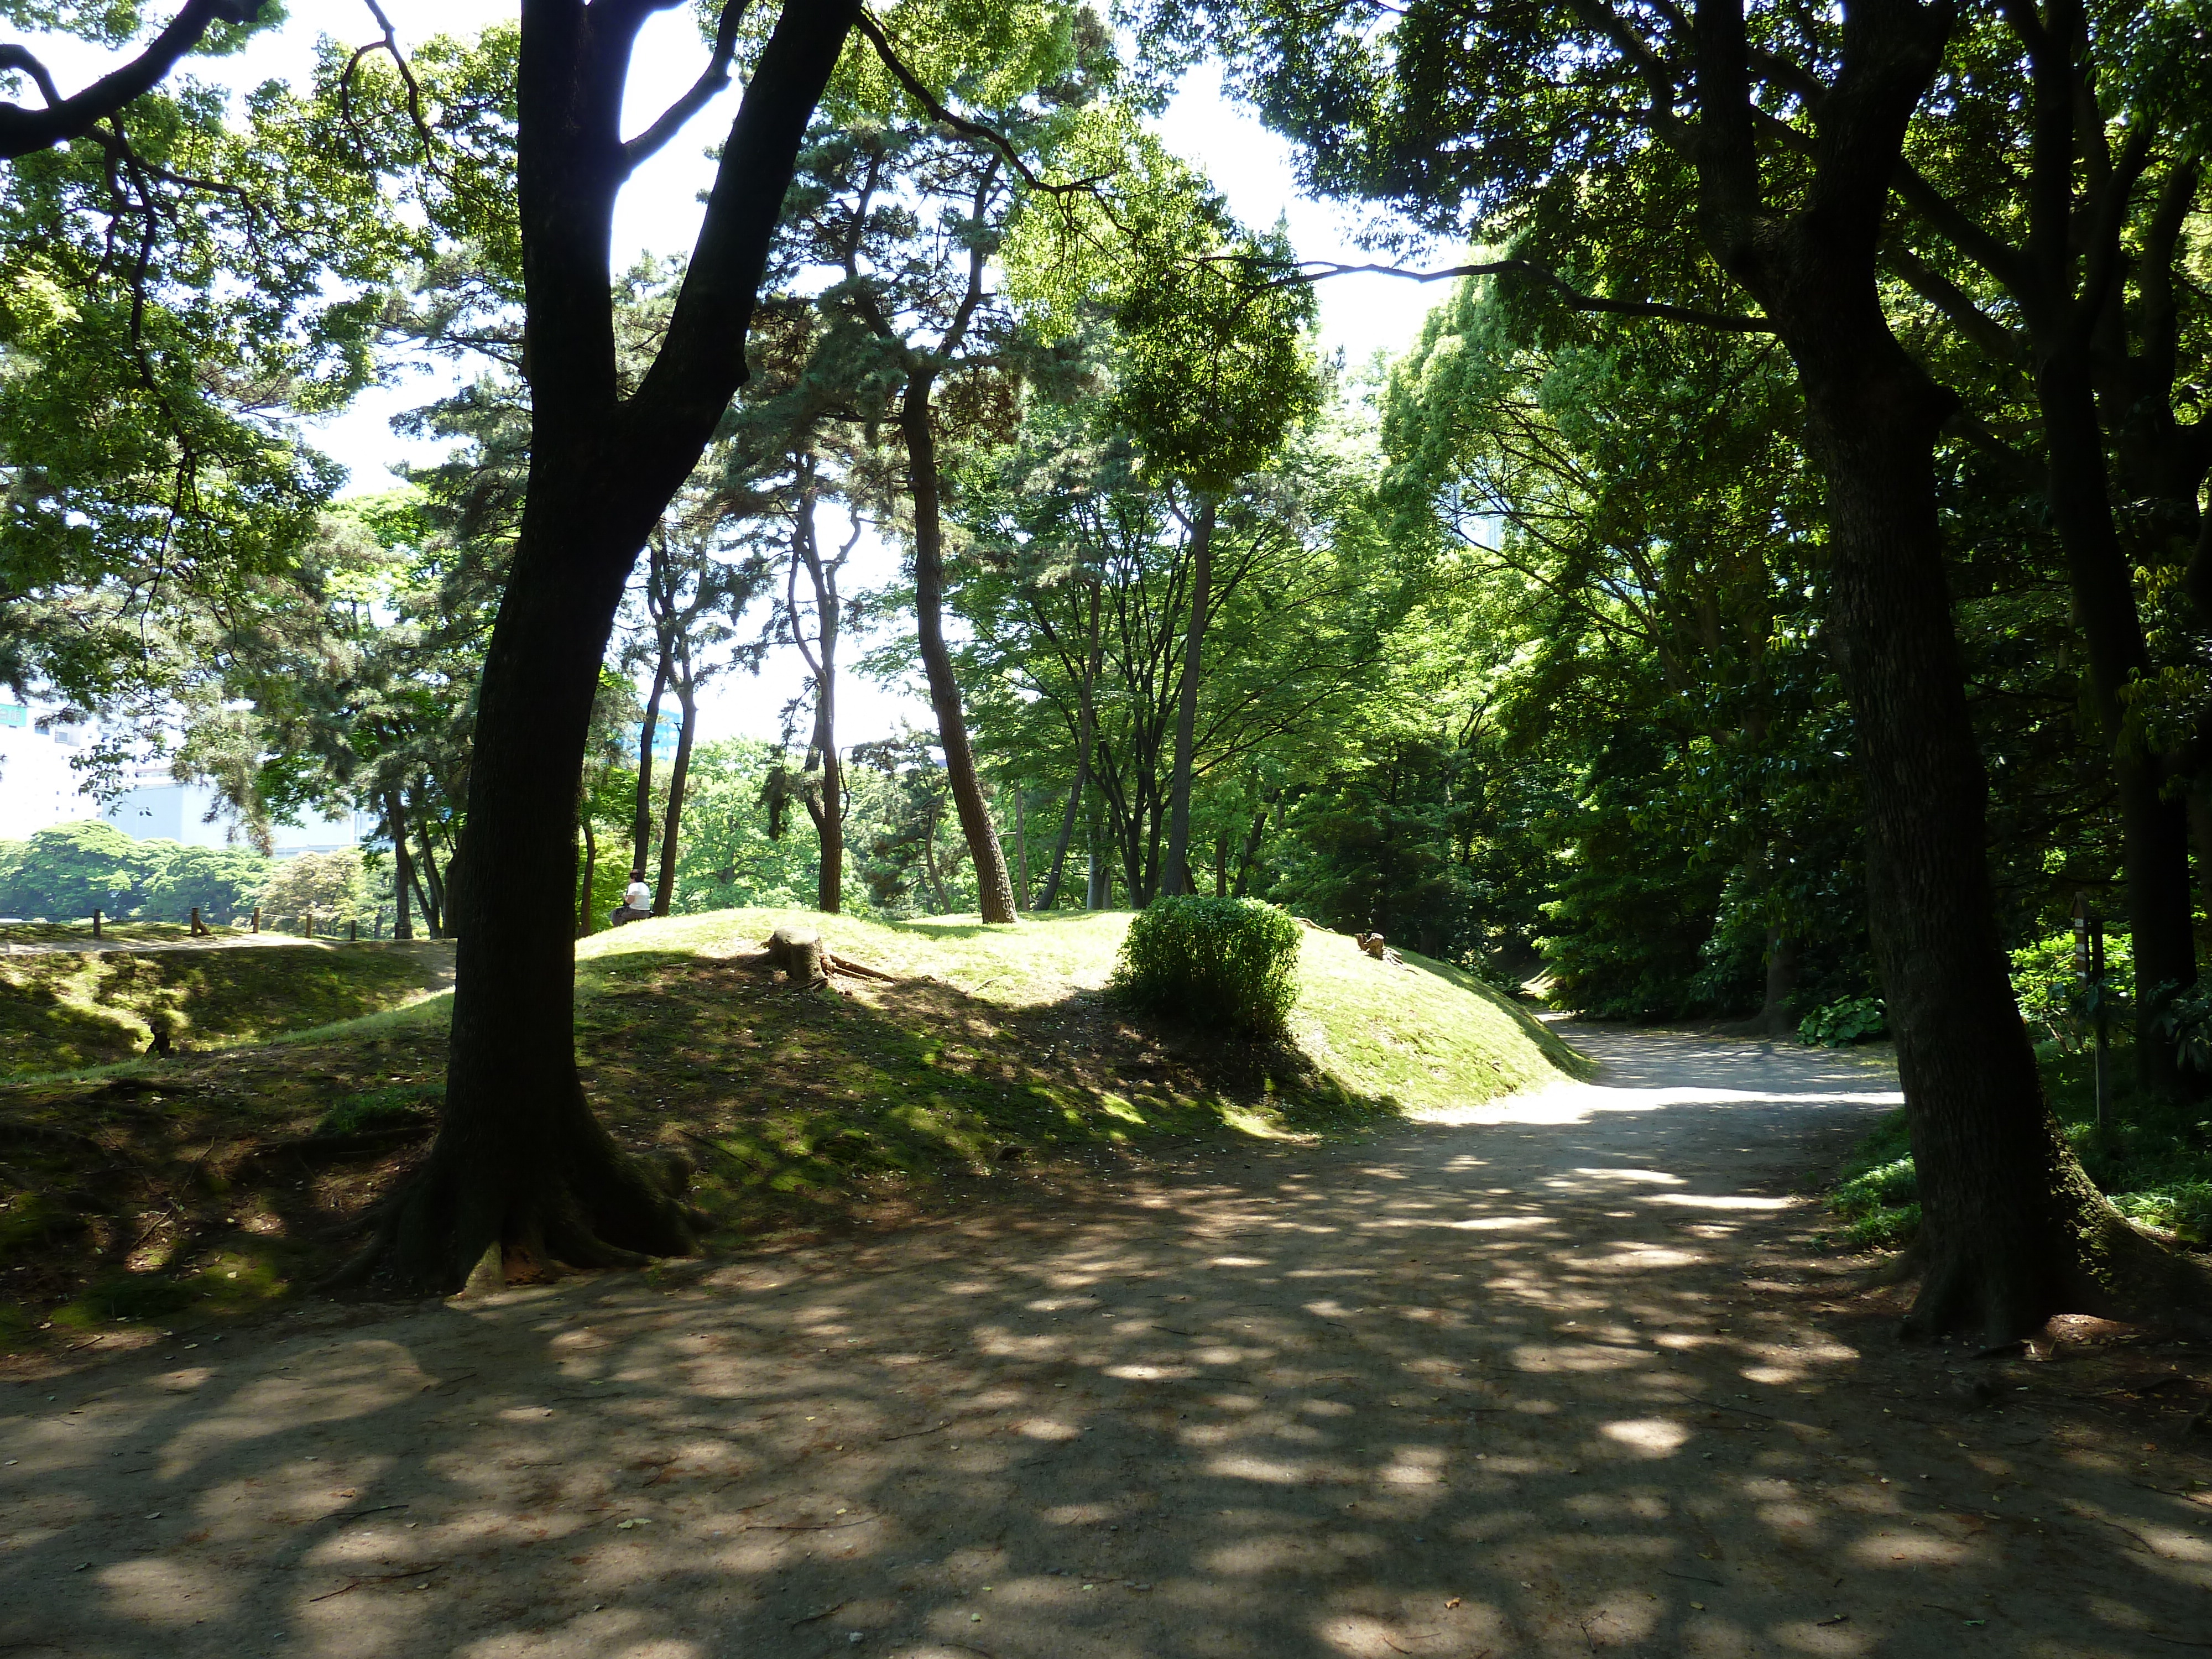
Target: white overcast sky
658	214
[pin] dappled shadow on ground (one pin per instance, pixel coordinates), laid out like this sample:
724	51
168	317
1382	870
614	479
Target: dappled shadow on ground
1564	1381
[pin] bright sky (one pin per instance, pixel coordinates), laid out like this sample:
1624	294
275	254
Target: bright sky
658	214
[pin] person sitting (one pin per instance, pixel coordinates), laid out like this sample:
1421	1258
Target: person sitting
637	901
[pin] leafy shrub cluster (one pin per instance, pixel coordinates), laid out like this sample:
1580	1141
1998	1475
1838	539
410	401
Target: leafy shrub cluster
2057	1007
1839	1024
1228	965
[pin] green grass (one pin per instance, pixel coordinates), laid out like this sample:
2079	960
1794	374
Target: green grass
152	1189
2152	1157
64	1010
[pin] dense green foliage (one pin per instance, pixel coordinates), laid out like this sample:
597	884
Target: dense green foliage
65	873
1223	964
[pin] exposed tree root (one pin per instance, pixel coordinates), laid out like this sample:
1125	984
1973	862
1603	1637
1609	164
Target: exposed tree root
2092	1261
581	1203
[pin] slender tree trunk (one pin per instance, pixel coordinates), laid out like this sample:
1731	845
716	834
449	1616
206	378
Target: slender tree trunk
403	870
829	817
1175	876
585	920
433	896
642	820
994	892
2153	829
673	824
522	1170
1021	853
1086	725
1253	841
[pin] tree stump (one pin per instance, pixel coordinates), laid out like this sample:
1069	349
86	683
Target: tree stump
799	954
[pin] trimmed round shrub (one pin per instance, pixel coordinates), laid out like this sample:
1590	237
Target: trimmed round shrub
1228	965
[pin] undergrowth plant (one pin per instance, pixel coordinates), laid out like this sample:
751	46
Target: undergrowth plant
1227	965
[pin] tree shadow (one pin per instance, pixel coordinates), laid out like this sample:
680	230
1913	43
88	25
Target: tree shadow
1557	1384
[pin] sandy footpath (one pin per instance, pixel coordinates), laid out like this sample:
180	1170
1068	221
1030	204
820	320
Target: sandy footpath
1565	1374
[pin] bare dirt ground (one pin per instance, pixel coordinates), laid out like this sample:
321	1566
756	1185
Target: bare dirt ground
1566	1375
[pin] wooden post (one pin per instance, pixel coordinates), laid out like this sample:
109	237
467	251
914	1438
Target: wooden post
257	918
95	924
353	933
311	921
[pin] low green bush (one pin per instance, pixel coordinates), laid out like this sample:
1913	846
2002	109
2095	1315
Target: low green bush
1228	965
1853	1019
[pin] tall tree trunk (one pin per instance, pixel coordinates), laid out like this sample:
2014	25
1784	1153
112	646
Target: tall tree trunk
520	1169
641	833
2153	829
994	891
1176	877
403	870
830	815
1253	841
1086	725
584	917
673	824
2012	1232
1021	853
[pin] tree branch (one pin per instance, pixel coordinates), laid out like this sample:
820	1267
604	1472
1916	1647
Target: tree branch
24	131
1312	270
702	91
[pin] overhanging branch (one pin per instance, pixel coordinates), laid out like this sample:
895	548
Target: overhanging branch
24	131
1313	271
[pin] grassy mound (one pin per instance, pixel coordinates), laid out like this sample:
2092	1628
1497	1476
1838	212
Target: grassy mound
2152	1157
206	1184
60	1009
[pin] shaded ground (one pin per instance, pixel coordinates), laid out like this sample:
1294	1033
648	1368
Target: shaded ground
224	1178
1563	1375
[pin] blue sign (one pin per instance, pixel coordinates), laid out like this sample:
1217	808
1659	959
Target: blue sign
14	714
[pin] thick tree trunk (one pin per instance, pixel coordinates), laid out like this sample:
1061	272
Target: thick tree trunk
994	892
671	826
640	834
1175	878
1785	957
403	872
2153	829
2012	1230
521	1170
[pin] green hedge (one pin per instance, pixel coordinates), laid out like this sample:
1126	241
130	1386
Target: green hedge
1228	965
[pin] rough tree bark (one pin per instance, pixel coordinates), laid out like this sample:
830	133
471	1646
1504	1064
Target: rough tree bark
520	1168
2012	1232
1176	877
995	890
679	769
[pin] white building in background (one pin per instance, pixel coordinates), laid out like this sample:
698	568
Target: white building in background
39	789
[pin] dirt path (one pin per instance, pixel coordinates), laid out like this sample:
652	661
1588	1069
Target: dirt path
1565	1376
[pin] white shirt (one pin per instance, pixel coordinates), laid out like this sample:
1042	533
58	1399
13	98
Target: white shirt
638	896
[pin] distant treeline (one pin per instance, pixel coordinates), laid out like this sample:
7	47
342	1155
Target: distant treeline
65	873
